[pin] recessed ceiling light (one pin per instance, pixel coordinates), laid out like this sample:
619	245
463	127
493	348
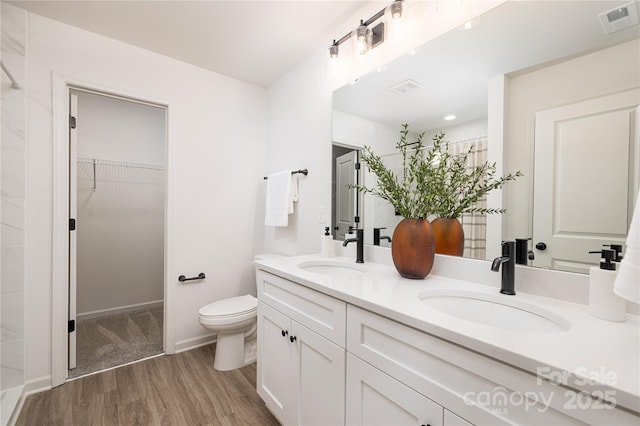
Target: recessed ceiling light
450	117
469	24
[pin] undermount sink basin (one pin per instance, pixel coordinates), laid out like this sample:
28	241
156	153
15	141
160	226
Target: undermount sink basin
496	310
332	267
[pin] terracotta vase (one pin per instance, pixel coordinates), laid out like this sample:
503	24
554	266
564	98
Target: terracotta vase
449	236
412	248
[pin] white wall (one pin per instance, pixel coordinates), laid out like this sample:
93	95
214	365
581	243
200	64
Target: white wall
120	233
120	130
460	132
602	72
214	122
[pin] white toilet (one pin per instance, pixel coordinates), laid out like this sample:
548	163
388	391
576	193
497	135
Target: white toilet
235	321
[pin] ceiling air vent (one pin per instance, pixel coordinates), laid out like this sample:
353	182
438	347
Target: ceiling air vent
619	18
406	87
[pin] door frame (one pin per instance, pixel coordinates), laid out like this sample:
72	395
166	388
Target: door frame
62	84
359	196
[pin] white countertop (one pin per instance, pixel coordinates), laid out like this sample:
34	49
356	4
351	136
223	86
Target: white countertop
592	355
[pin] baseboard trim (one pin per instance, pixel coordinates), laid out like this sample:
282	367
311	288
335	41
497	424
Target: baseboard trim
37	385
196	342
119	310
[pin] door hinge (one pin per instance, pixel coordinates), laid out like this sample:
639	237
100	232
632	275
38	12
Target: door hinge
72	224
357	166
72	122
71	326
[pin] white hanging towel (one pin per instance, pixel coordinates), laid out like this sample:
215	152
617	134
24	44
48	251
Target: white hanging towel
627	283
279	199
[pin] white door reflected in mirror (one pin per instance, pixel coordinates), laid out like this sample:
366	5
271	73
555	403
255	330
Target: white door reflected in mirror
585	153
345	198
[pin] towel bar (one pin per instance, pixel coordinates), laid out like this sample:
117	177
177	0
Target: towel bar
200	276
303	171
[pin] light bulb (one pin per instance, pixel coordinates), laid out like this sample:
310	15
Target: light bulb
333	50
361	42
396	9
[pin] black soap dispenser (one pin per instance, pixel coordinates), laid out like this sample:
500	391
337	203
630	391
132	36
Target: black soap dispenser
618	251
603	302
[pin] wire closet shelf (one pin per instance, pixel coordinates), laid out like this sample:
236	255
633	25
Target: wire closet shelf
94	162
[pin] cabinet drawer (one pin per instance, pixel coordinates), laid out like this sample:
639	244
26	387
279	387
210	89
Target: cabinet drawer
478	388
321	313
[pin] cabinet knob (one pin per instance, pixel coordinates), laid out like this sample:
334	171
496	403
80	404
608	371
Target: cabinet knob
284	333
292	338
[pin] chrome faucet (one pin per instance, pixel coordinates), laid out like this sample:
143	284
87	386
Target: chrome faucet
507	261
359	240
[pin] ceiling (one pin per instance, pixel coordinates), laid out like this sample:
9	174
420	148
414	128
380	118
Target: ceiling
454	69
252	41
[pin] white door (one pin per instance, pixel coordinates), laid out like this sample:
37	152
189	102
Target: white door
274	361
73	244
586	179
345	197
319	371
375	398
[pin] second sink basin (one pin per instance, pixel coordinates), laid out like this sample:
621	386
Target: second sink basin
332	267
497	310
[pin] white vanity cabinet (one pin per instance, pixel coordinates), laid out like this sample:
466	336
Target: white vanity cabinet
324	361
301	355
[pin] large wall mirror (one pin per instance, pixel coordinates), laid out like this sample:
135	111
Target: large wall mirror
567	118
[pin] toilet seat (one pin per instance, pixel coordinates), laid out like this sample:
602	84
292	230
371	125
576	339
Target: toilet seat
229	311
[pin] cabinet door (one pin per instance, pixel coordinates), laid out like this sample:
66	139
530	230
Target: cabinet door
274	361
374	398
319	375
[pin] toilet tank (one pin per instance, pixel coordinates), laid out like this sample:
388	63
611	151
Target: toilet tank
264	256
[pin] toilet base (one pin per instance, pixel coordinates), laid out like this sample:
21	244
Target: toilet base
231	354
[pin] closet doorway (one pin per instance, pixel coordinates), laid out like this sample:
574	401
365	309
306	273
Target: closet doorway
116	233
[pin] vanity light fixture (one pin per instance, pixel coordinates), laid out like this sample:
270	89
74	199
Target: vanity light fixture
450	117
366	38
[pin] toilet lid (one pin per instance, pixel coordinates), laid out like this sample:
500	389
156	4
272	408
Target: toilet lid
230	307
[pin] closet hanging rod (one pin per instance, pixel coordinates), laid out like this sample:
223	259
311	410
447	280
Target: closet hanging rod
119	163
14	82
295	172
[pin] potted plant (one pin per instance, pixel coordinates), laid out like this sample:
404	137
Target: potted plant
456	188
436	183
408	192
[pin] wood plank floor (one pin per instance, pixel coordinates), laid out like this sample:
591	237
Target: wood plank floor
181	389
